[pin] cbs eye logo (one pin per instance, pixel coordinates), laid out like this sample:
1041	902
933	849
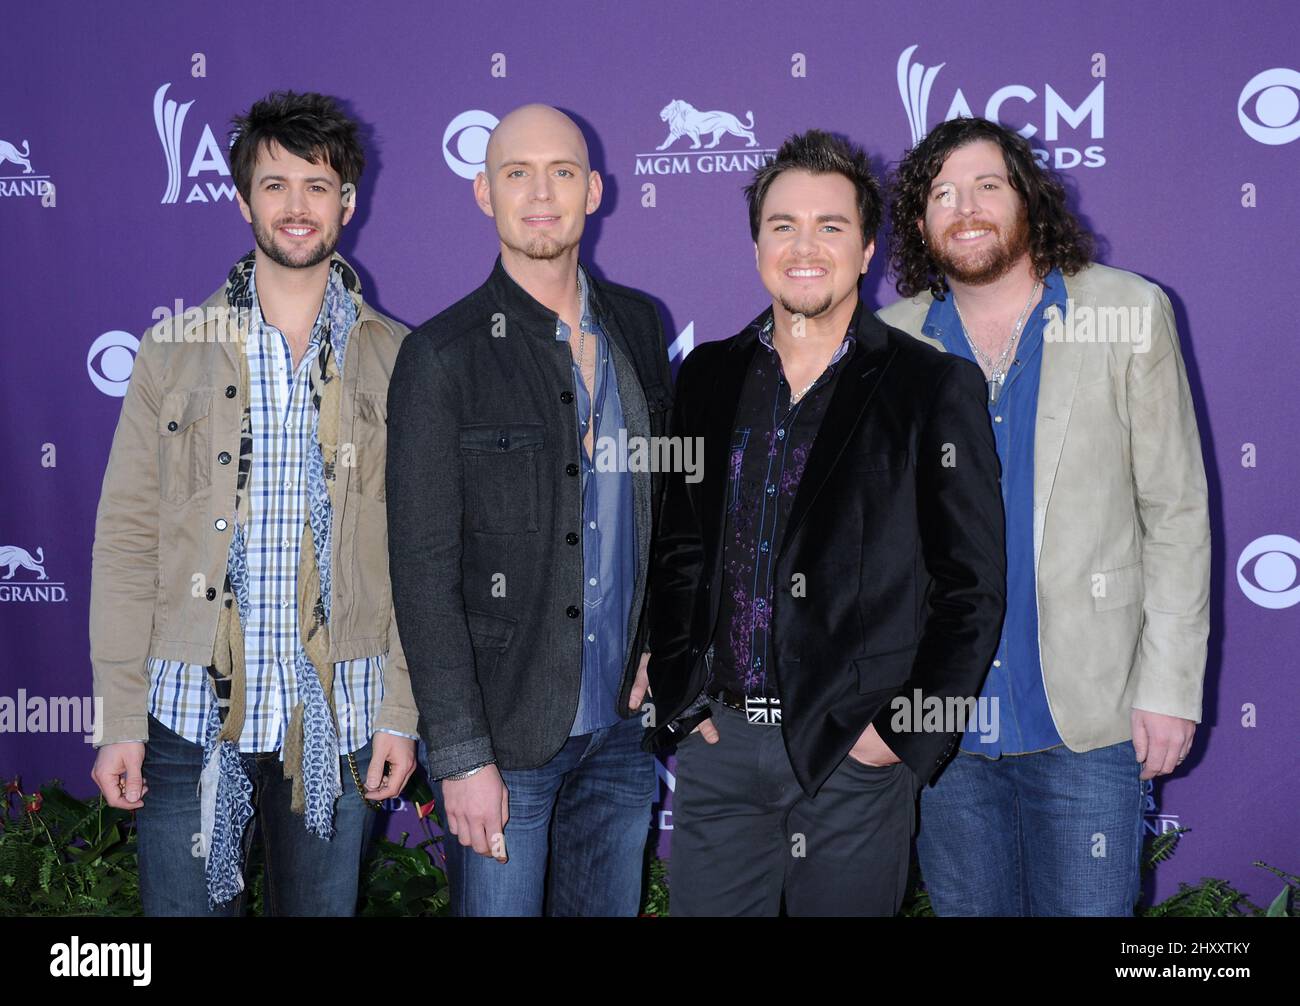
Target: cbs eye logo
111	360
1274	96
470	131
1268	571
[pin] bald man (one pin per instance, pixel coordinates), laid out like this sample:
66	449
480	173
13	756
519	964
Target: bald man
519	563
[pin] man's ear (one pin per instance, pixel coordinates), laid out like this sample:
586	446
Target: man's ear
483	194
866	255
595	191
243	208
349	196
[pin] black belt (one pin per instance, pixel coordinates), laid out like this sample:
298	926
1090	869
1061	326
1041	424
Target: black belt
760	709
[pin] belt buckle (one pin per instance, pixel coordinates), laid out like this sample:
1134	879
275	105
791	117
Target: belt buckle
764	710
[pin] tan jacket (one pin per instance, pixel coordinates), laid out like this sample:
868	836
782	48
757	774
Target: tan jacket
166	516
1121	523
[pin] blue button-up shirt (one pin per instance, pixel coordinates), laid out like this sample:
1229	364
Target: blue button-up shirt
1014	686
608	532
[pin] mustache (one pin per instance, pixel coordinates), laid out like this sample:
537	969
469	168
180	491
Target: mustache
971	225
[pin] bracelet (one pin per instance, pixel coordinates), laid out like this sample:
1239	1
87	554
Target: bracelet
458	776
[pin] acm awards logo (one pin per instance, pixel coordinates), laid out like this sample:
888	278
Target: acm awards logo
207	158
1273	97
916	82
25	579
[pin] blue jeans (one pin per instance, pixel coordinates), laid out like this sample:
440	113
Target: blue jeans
305	875
1048	833
576	837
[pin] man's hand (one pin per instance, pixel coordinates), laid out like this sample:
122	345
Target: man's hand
477	810
872	750
641	686
112	764
707	730
1161	742
398	753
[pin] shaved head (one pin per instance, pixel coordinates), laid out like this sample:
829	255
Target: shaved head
537	185
533	130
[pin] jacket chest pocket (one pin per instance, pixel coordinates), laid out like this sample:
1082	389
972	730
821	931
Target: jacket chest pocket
369	444
184	443
500	464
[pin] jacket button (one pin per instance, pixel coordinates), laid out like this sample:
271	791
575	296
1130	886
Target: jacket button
503	442
224	457
571	611
211	594
571	538
570	469
172	427
220	524
230	391
566	397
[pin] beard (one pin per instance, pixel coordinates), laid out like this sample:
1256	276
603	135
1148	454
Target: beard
987	265
265	238
809	308
541	248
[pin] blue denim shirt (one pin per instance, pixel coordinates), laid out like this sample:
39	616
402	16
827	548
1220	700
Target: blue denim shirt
608	534
1015	681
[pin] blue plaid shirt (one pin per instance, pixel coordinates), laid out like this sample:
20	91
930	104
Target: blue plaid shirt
179	693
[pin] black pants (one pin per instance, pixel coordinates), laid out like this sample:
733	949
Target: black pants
744	832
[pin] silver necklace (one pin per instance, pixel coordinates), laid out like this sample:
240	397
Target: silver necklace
997	370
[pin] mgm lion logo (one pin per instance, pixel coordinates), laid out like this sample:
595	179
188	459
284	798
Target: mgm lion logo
13	557
684	119
9	152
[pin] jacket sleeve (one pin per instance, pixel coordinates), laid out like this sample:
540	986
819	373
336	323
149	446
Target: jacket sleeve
678	560
963	545
425	511
397	712
124	559
1170	488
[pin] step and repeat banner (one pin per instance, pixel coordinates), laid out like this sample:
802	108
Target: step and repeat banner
1175	125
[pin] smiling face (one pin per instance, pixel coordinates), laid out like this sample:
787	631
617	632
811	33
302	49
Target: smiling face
536	183
809	250
296	208
976	225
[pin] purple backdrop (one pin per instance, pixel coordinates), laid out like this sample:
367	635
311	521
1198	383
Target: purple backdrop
1175	123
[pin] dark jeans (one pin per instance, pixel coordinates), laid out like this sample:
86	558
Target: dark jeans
576	836
1048	833
744	831
305	875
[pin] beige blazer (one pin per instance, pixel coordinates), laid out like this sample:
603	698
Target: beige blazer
1121	523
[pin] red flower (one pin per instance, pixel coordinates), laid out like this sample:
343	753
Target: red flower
423	810
34	802
13	787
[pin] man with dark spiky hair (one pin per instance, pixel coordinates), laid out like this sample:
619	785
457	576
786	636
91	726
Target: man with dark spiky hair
840	561
241	625
1096	681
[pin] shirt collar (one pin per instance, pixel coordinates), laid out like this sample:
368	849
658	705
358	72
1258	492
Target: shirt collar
765	337
336	304
588	321
942	317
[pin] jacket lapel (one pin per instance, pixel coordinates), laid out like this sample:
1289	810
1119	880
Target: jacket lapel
1060	375
854	390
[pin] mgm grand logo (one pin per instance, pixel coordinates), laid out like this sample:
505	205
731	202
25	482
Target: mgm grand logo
36	586
685	120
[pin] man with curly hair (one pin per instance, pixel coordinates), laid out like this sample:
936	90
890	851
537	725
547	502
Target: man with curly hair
1097	678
